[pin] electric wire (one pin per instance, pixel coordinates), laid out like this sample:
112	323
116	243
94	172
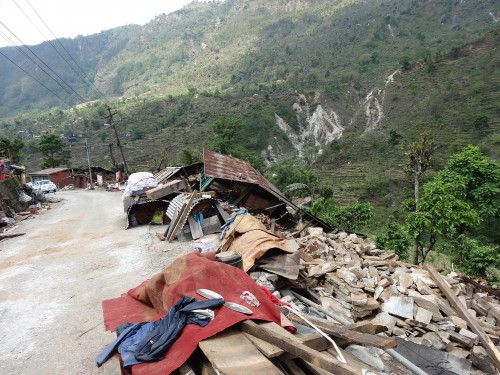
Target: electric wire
48	89
93	86
43	62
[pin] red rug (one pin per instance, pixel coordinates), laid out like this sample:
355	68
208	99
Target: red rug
153	298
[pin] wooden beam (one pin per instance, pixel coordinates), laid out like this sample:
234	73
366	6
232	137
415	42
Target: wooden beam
295	347
351	337
233	354
182	216
464	314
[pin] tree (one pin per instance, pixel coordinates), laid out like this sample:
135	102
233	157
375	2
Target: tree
55	151
419	156
189	156
224	131
462	196
395	237
12	148
350	218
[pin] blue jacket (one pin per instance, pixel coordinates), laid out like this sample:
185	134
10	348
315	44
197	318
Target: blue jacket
148	341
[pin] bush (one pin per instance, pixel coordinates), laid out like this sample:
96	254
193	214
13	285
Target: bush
475	259
350	218
394	237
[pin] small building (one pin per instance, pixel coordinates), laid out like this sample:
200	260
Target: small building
62	176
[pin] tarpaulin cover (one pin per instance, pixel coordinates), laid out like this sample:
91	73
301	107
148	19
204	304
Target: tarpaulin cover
248	237
153	298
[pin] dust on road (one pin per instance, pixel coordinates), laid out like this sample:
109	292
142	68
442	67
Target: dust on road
54	278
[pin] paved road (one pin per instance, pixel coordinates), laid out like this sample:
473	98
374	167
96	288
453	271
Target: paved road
54	278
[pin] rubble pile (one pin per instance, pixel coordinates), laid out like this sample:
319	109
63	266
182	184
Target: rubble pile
355	281
386	316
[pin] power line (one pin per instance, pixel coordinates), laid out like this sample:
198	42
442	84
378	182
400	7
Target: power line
43	62
1	53
93	86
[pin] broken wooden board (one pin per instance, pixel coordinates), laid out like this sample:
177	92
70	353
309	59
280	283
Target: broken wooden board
233	354
348	336
356	365
296	348
464	314
314	341
166	189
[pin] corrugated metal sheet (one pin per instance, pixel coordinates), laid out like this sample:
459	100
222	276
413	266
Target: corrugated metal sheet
177	203
165	174
233	169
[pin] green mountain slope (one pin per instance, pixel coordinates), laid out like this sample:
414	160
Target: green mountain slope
343	84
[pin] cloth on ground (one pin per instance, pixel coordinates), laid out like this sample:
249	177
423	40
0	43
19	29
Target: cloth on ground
182	278
148	341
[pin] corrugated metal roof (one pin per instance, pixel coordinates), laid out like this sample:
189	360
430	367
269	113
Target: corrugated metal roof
49	171
233	169
166	173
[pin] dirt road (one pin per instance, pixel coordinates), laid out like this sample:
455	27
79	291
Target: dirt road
54	278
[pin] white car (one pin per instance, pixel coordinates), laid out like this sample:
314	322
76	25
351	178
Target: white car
46	186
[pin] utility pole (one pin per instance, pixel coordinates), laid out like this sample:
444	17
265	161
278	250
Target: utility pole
113	161
88	161
112	123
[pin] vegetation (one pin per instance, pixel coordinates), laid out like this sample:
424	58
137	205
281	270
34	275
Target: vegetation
218	74
453	209
55	151
13	149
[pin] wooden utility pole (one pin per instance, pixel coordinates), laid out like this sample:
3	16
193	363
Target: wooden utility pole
112	123
113	161
88	161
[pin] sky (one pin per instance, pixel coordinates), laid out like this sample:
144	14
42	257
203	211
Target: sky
69	18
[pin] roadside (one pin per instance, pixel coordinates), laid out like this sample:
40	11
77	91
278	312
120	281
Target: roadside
54	278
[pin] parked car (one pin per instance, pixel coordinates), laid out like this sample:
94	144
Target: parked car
46	186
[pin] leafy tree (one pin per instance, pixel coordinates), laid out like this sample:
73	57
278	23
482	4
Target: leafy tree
293	179
350	218
462	196
404	62
419	156
189	156
441	211
473	258
394	138
55	151
12	148
224	132
395	237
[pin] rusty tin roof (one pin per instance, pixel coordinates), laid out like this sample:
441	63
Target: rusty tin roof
230	168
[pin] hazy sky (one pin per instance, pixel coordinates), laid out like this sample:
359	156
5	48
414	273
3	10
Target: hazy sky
69	18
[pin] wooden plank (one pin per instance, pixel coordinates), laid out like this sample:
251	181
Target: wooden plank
355	364
366	327
233	354
464	314
223	214
292	368
166	189
295	347
182	216
170	228
195	228
351	337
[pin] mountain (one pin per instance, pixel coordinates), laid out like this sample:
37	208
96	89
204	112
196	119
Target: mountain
342	84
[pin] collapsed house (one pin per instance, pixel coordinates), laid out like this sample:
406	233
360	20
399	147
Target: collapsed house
291	300
232	182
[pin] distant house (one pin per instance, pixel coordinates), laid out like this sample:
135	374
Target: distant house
62	176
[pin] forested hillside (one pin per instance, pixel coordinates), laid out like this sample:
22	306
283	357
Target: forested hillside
344	85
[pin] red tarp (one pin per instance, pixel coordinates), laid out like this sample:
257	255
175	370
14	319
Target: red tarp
152	299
